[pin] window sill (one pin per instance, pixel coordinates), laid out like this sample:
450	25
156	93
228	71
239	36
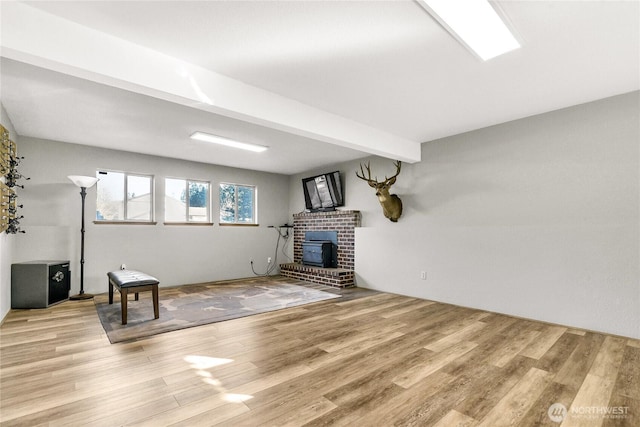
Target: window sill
126	222
231	224
189	223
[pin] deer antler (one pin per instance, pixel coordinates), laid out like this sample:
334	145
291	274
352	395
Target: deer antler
398	165
368	179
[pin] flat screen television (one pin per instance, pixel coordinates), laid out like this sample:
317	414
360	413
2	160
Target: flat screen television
323	192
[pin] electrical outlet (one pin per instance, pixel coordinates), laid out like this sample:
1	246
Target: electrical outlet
423	275
268	260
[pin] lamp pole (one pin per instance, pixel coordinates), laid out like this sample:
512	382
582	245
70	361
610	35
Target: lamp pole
83	182
82	295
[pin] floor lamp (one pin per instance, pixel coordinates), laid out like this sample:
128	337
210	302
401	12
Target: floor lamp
83	182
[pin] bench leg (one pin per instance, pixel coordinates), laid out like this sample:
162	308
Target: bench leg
110	292
123	304
156	310
136	296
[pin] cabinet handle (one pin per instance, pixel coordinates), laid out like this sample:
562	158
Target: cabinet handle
58	277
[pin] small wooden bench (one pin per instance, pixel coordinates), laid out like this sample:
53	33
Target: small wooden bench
126	281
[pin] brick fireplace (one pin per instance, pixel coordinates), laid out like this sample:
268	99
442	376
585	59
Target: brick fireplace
344	223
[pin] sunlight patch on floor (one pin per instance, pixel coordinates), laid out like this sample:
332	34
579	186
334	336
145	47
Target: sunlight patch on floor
201	363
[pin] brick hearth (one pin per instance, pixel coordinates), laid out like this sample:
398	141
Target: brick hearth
344	222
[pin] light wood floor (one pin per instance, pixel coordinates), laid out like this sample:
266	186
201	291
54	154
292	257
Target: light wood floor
368	359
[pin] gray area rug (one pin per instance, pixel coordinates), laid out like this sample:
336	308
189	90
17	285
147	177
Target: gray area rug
193	305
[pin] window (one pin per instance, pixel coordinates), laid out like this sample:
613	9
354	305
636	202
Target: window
237	204
186	201
112	205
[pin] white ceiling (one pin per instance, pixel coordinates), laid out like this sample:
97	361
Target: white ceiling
384	64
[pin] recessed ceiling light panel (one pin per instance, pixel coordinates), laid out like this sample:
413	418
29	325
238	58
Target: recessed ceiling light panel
475	23
215	139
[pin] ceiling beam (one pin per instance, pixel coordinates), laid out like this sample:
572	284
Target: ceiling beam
38	38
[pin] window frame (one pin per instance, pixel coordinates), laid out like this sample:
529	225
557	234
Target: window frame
186	220
235	223
125	200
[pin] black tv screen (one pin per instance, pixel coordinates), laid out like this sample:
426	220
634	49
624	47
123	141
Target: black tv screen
323	192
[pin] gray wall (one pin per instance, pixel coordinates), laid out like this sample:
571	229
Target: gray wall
537	218
175	254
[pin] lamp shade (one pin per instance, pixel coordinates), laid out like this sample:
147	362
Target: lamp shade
83	181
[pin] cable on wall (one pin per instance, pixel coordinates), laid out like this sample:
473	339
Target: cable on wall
281	235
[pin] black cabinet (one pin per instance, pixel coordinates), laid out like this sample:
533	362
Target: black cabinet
39	284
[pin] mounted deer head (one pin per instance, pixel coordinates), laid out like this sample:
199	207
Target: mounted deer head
391	204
